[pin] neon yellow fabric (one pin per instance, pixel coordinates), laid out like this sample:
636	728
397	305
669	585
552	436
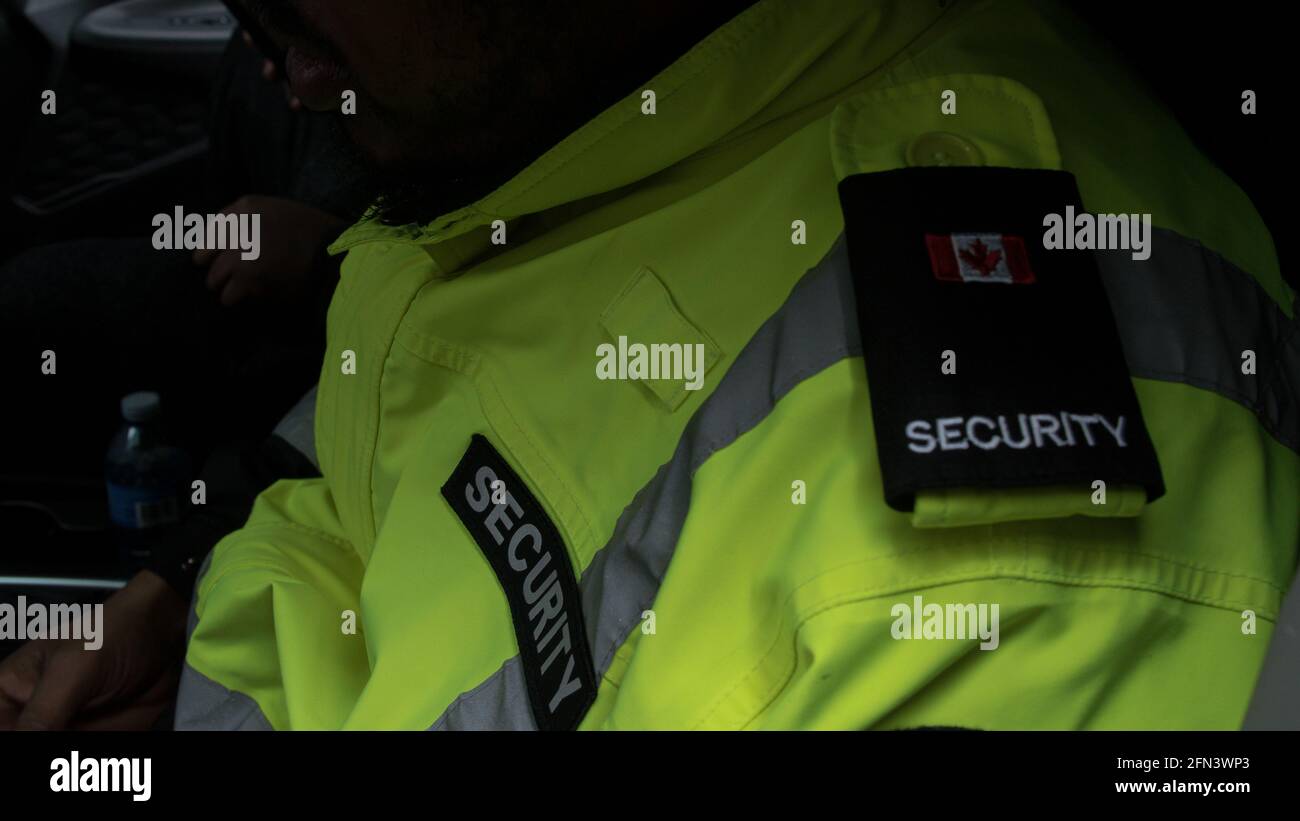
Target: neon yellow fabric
1105	623
772	614
962	507
645	310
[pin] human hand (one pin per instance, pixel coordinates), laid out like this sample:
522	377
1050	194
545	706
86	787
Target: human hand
292	237
124	685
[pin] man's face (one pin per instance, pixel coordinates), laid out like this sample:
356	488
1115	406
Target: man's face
434	79
462	94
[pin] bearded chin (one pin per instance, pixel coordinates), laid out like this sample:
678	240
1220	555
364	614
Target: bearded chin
396	192
405	189
418	170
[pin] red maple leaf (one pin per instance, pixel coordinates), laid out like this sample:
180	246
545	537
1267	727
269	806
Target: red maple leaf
978	256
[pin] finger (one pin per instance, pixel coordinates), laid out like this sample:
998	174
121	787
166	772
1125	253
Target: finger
65	685
20	672
141	712
268	70
222	270
294	103
18	675
248	38
205	256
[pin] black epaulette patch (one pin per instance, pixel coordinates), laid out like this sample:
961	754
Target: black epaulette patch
992	361
529	558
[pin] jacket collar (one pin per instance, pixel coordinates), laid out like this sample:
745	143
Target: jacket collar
774	61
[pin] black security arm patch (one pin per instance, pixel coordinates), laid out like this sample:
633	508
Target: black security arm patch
992	362
529	558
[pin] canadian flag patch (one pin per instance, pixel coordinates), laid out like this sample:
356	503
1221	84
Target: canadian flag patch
979	258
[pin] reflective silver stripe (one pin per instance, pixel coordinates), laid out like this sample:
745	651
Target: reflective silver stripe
1187	314
298	427
816	328
203	704
1184	316
1276	702
499	703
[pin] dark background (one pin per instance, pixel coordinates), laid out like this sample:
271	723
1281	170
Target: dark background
119	113
1199	57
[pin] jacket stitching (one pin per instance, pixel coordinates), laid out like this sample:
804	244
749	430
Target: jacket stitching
768	695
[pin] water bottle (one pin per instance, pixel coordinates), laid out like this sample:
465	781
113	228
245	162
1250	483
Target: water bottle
147	476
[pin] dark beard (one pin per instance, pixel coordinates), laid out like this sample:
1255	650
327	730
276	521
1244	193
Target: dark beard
417	194
414	197
354	186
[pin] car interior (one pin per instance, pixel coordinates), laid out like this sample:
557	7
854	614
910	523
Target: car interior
132	80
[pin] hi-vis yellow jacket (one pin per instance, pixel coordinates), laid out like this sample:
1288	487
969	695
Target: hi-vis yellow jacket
734	563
